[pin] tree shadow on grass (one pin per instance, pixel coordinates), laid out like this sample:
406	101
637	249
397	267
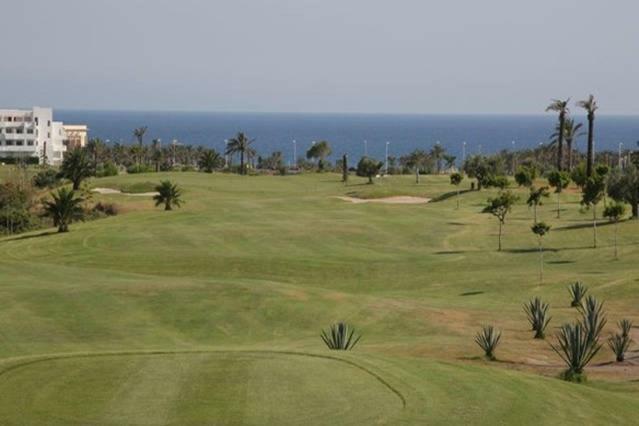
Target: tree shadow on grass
450	252
583	225
447	195
472	293
560	262
28	237
530	250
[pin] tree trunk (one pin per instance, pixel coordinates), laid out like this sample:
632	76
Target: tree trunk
241	162
457	197
560	142
569	147
63	227
535	212
499	247
541	262
594	224
558	211
591	151
167	205
635	210
616	229
417	175
370	179
344	169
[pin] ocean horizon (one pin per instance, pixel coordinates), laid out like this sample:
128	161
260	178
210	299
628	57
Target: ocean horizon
354	134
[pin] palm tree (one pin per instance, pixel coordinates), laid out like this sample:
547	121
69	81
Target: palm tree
76	167
139	136
561	107
571	133
240	143
590	105
64	208
437	153
168	194
209	160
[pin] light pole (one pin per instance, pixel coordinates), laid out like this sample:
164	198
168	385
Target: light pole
365	148
463	152
514	158
294	154
387	143
620	145
226	153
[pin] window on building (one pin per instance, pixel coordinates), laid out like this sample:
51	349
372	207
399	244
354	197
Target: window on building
48	134
10	142
19	131
48	123
30	131
9	118
30	143
8	130
36	121
19	143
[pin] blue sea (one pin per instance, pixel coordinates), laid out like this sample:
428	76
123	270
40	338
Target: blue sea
351	134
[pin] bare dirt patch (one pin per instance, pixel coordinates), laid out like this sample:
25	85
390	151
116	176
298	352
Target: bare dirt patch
400	199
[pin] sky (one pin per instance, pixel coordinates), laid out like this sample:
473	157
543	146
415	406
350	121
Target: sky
370	56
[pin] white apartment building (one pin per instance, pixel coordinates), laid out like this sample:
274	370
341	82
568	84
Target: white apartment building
31	135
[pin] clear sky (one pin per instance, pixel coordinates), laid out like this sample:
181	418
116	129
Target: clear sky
395	56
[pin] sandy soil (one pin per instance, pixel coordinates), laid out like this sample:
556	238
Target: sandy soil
110	191
402	199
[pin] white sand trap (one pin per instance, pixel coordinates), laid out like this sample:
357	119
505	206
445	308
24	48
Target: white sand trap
401	199
111	191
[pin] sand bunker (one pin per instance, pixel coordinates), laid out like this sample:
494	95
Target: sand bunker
401	199
110	191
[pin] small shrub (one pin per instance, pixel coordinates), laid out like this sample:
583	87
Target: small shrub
47	178
536	310
625	325
108	209
577	292
340	336
488	339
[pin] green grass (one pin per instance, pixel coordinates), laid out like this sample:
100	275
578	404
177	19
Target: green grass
231	291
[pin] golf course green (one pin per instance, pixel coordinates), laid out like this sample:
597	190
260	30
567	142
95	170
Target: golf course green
212	313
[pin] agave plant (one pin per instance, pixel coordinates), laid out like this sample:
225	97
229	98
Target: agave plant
593	318
625	325
536	311
340	337
577	291
620	342
488	339
575	348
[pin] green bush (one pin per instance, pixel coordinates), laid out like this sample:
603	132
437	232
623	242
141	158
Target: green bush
139	168
107	169
47	178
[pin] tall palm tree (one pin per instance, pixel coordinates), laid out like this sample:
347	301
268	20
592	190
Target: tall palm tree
139	136
571	133
168	194
64	208
561	107
240	143
590	105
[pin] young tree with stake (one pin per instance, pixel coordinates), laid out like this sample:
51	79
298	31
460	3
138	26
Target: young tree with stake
456	179
559	181
499	207
614	212
540	229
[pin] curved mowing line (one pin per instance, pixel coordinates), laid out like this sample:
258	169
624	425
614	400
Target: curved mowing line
54	357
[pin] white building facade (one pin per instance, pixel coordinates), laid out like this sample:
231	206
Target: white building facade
31	135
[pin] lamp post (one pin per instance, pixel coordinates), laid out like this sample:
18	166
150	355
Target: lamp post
365	148
620	145
463	152
514	158
387	143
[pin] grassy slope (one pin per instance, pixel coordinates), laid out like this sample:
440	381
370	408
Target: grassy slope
262	263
